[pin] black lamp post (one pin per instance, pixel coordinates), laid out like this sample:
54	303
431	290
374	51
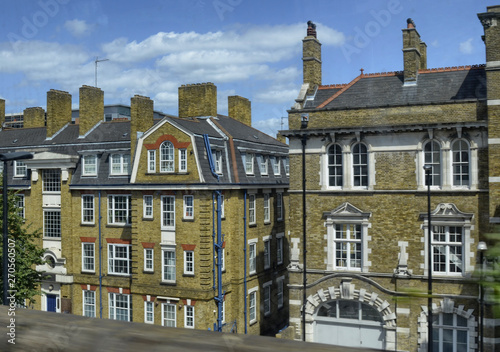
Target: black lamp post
428	170
481	248
6	158
304	120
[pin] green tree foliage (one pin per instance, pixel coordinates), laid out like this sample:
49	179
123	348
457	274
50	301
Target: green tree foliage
491	275
27	253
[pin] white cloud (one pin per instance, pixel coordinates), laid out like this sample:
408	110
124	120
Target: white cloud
466	47
77	27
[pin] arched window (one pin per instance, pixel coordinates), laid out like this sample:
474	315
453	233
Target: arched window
461	171
167	157
450	333
335	166
360	165
432	157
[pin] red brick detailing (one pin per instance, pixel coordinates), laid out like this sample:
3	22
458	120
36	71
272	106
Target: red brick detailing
167	137
118	240
151	298
193	302
188	247
87	192
224	244
168	193
117	290
148	244
92	288
88	239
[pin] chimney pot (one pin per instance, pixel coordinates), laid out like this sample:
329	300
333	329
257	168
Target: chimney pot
311	29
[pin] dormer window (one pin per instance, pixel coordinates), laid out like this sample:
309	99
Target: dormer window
20	169
217	158
248	159
120	164
262	159
276	165
89	165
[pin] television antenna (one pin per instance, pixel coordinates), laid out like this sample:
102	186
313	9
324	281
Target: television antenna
96	61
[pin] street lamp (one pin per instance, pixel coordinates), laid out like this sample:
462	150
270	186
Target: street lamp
303	124
428	170
481	248
5	158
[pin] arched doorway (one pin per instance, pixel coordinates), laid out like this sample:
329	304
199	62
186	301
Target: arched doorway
349	323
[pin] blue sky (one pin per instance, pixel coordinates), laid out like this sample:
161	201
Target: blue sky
251	48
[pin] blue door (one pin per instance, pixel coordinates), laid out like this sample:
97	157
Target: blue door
51	303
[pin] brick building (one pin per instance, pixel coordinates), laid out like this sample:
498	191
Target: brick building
127	201
365	145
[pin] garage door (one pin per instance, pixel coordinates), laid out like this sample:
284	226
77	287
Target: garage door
349	323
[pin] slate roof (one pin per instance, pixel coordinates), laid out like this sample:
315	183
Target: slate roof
115	135
387	89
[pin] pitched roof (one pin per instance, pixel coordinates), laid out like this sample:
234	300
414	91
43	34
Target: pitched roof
445	85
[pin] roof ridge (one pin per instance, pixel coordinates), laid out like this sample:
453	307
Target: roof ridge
329	86
347	86
453	68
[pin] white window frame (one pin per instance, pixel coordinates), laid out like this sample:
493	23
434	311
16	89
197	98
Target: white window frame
223	259
279	206
286	165
88	211
267	208
149	261
461	164
217	159
263	164
164	266
89	265
350	215
279	248
112	210
266	288
448	215
89	167
86	304
437	165
168	222
51	181
56	226
189	316
183	160
356	167
439	326
336	166
149	312
248	159
251	210
188	262
267	251
20	204
275	160
147	206
222	213
113	306
252	256
167	157
188	210
347	243
113	260
152	160
173	309
252	304
20	169
446	245
123	165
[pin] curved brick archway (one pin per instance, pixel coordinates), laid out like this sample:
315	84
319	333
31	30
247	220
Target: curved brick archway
347	291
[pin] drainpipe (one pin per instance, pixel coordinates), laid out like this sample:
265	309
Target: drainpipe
213	241
100	257
245	259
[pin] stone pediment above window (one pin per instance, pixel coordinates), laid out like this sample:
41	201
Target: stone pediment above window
346	211
447	212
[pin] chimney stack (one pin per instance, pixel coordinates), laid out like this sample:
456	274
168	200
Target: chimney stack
141	117
91	108
2	112
196	100
311	57
33	117
58	111
414	53
240	109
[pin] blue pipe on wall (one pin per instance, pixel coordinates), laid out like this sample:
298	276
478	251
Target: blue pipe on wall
245	258
100	257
